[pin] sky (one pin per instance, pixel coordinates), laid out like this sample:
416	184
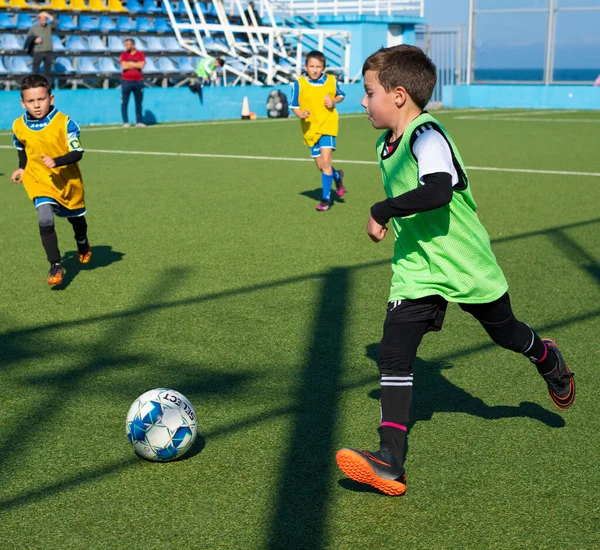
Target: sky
517	40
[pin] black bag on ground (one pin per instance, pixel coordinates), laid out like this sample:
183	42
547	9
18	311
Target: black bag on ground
277	105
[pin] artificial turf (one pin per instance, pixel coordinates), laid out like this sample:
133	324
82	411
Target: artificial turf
216	277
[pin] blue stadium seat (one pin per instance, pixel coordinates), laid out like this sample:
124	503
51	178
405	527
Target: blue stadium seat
125	24
18	65
63	65
57	44
161	25
76	44
133	6
107	65
165	65
151	7
185	65
11	42
150	67
171	44
86	65
153	44
24	21
3	69
96	44
88	23
6	21
115	44
144	24
106	23
66	23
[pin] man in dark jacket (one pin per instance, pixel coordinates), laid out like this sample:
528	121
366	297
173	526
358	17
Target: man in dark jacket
42	37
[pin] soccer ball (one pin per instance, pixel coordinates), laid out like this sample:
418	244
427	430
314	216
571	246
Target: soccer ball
161	425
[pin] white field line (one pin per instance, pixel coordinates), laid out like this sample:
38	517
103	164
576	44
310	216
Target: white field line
503	114
341	161
523	119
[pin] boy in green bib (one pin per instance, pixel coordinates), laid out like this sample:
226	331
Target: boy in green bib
442	254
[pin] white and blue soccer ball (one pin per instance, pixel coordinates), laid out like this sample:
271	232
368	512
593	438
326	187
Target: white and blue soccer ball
161	425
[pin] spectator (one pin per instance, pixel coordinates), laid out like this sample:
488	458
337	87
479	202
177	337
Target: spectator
205	70
132	63
248	13
42	42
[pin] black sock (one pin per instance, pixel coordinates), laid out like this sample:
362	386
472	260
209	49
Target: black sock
396	397
544	359
80	230
50	243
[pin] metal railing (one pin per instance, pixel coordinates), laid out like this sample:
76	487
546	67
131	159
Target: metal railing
340	7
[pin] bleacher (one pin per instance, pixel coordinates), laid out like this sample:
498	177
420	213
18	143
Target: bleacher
89	38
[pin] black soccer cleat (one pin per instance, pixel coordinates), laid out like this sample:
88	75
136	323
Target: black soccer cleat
377	469
561	385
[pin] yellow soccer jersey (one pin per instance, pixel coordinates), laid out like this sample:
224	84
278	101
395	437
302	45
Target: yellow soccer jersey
54	136
322	121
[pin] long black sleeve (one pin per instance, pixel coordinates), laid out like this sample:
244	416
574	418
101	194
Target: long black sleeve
435	192
69	158
22	158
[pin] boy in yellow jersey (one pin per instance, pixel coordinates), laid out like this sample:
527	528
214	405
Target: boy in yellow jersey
48	145
314	97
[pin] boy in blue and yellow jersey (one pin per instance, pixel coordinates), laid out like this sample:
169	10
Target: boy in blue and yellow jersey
442	254
314	97
48	145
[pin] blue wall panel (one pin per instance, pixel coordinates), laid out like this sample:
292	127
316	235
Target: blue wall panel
522	97
164	104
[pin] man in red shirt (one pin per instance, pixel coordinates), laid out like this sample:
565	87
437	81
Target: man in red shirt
132	63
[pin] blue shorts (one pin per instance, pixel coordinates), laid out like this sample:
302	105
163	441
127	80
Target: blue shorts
59	209
325	142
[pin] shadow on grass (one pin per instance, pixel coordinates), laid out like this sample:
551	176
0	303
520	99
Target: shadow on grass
434	393
102	256
317	195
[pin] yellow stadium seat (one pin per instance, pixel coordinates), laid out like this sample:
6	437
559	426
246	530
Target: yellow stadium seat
97	5
115	5
58	5
78	5
18	4
3	4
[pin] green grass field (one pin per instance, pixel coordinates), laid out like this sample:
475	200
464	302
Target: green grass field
215	276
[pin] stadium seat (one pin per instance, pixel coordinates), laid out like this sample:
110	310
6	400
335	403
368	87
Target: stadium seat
150	67
171	44
115	5
106	23
18	65
115	44
143	24
134	6
153	44
96	44
18	4
125	24
3	4
57	44
88	23
107	65
78	5
6	21
63	65
86	65
185	65
97	5
66	23
165	65
58	5
161	25
3	69
140	44
11	42
76	44
150	6
24	21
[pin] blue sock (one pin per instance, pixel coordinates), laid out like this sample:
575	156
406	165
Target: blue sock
336	175
326	182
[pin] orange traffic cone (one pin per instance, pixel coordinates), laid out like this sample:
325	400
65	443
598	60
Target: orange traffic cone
245	109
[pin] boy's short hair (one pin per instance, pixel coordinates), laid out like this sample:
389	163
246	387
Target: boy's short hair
220	61
315	54
406	66
34	81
